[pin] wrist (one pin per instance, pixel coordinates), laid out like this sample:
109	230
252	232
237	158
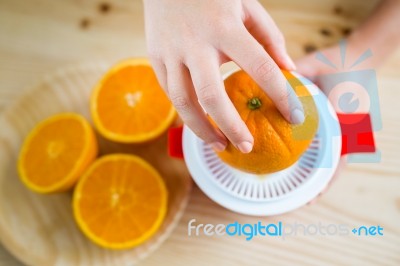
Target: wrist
361	41
379	33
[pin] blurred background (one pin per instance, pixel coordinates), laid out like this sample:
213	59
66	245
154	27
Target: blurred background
38	36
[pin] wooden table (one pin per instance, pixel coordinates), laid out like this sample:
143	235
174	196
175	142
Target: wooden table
38	36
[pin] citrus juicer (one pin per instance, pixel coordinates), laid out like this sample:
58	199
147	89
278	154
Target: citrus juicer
286	190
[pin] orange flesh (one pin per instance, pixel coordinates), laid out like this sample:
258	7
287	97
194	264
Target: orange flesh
54	151
131	102
120	202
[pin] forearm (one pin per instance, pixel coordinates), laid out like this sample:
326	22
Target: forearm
380	32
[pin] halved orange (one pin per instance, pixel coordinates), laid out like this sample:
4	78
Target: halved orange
128	105
56	153
120	202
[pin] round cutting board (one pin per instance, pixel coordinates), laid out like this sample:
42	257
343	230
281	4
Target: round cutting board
40	229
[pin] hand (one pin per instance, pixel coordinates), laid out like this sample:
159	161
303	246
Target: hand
379	33
336	66
317	71
187	42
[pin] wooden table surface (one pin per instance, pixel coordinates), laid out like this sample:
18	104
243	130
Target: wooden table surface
39	36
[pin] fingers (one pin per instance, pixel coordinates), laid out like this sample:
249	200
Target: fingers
181	93
250	56
306	66
211	93
161	73
260	24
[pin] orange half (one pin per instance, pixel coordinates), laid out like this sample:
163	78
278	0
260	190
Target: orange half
56	153
128	105
120	202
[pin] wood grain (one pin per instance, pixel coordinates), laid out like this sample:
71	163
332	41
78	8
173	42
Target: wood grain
40	229
41	35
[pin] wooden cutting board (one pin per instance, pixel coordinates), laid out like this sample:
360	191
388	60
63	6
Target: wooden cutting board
40	229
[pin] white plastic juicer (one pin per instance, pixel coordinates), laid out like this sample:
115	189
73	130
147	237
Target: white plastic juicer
286	190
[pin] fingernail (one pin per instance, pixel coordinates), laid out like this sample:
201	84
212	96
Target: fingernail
245	147
218	146
290	63
297	116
